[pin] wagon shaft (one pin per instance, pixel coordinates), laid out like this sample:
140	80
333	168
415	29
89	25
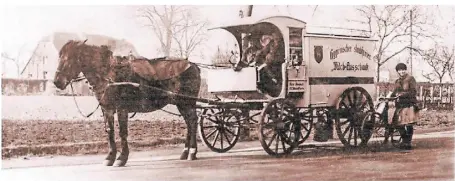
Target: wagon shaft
211	102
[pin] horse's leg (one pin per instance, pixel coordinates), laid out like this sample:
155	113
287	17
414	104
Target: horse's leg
123	132
109	119
190	82
185	152
189	114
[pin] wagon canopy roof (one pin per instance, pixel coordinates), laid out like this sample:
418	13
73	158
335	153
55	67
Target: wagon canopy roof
244	24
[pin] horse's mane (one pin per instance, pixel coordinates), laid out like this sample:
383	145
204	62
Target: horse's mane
70	42
83	49
106	50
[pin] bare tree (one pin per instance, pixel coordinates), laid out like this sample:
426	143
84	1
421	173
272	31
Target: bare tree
16	60
161	20
442	60
449	58
428	76
392	25
190	33
175	23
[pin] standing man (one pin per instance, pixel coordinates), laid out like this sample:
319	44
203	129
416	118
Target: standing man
406	105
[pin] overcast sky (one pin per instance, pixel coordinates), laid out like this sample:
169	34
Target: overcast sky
24	26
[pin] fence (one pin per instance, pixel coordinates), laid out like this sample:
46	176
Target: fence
22	87
431	95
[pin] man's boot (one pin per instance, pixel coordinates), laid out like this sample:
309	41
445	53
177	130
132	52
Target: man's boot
409	132
406	136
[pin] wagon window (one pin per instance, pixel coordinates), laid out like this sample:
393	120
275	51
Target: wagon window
295	37
295	45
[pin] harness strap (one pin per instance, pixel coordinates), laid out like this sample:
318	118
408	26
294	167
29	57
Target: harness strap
133	115
175	114
77	105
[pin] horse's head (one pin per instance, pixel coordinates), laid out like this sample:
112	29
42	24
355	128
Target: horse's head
69	65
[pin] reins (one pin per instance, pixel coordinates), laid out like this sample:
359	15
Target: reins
74	97
80	78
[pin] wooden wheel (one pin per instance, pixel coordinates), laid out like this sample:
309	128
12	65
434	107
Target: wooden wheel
306	124
279	127
219	128
352	107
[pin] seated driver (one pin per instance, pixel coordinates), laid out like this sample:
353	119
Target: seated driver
266	57
249	54
271	42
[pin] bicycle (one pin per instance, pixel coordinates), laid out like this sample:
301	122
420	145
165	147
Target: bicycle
379	123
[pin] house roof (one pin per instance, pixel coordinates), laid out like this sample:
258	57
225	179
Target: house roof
118	46
58	39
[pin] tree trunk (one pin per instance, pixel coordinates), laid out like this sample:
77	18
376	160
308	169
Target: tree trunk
377	73
167	51
18	70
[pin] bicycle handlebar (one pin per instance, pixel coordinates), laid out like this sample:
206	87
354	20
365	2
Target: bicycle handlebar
388	98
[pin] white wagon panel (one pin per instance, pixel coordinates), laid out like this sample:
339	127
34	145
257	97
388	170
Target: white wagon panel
227	80
345	62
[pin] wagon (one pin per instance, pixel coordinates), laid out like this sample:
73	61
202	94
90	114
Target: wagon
321	78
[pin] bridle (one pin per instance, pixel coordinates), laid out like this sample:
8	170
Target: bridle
77	79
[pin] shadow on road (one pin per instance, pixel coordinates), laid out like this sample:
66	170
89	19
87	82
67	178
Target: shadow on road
316	151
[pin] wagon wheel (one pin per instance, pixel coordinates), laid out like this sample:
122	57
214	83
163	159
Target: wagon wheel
352	107
279	124
219	129
306	124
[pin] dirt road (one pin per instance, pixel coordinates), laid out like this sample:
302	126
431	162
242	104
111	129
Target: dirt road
431	159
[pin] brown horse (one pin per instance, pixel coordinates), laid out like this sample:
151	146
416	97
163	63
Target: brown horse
101	69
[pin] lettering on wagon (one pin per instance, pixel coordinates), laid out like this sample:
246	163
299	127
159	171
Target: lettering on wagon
346	66
296	85
357	49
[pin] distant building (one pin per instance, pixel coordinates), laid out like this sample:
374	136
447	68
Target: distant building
44	60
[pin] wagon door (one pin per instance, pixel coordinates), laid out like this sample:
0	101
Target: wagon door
296	80
296	77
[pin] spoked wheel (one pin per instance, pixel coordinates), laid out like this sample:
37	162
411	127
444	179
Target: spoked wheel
373	128
279	127
352	107
306	124
219	128
395	136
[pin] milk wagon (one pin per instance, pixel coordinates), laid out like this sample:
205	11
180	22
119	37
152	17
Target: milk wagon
319	78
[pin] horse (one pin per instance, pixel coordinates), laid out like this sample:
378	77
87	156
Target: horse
101	69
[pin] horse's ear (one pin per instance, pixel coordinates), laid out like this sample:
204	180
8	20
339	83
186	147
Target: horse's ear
81	43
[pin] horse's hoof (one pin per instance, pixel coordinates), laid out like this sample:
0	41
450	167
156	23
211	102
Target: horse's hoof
192	157
120	163
108	162
184	155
